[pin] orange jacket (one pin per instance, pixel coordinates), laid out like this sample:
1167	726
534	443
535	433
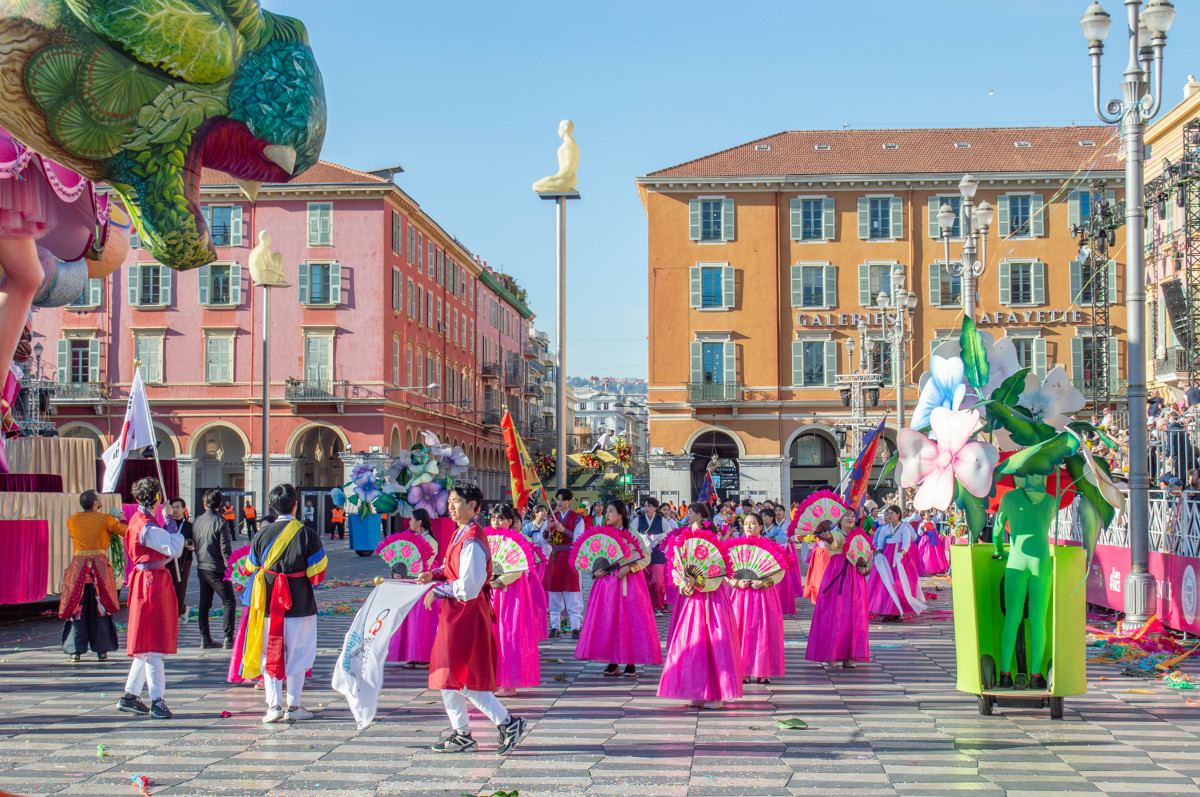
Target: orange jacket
339	516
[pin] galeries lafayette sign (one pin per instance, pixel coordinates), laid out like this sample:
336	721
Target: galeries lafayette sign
999	318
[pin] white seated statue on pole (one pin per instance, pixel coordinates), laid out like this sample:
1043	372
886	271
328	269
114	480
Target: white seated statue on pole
568	164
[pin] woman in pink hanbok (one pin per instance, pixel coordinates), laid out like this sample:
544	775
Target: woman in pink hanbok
840	624
757	613
932	557
893	591
413	641
619	627
513	606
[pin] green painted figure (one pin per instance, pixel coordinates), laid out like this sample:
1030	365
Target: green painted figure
1028	512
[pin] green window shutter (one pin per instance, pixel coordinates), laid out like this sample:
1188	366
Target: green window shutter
1039	357
205	278
828	218
728	287
1039	217
797	362
694	219
697	287
697	352
897	217
1073	216
935	205
326	221
156	360
1112	282
1077	360
1039	282
335	283
1076	269
94	360
1114	362
1005	277
94	291
1112	197
1003	227
164	285
727	232
235	284
235	226
207	217
314	225
133	278
864	285
864	218
730	364
797	286
935	284
64	360
831	351
797	220
830	285
302	284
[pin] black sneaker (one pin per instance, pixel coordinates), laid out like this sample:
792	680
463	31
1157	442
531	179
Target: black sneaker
130	704
159	710
455	743
1038	682
575	634
511	734
1006	681
73	657
228	643
630	671
611	670
101	657
555	633
209	644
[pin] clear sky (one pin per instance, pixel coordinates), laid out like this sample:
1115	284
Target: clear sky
467	97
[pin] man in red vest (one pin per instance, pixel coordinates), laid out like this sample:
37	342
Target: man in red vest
463	662
561	579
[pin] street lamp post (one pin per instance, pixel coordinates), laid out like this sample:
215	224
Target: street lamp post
1147	33
897	326
975	222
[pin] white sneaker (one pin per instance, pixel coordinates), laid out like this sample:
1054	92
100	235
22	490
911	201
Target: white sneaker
297	713
273	714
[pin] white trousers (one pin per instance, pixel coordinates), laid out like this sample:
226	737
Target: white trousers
147	668
299	653
572	602
456	708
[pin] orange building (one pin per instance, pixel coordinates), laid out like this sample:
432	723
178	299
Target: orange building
765	258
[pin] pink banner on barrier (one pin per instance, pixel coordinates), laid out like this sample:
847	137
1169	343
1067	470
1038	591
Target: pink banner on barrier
1174	575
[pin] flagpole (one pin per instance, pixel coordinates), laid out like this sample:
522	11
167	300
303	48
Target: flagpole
162	484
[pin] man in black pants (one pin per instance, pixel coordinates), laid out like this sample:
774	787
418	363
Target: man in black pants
214	548
184	562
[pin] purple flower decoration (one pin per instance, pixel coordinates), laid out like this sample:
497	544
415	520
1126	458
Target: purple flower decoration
363	478
338	496
431	497
456	461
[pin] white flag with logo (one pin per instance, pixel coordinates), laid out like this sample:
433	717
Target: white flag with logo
136	433
358	673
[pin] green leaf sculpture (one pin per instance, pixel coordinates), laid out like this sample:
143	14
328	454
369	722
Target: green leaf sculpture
1042	459
1011	389
1085	428
974	354
888	467
974	508
1025	429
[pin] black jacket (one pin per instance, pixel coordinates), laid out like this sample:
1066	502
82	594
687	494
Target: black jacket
214	541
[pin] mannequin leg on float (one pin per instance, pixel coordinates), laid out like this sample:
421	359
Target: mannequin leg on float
23	276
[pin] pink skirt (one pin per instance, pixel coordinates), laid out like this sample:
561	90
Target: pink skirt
787	592
619	627
44	200
840	624
760	631
910	566
932	558
516	640
879	601
413	640
703	661
239	642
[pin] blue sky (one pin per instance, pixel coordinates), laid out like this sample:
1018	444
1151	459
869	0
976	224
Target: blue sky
467	97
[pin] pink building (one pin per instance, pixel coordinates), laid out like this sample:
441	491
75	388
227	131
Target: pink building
383	304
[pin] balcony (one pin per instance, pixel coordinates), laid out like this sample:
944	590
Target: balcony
530	351
77	393
1177	362
512	378
321	391
1116	387
489	371
714	392
491	418
532	390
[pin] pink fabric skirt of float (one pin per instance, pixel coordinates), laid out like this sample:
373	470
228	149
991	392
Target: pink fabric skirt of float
619	627
44	200
816	571
879	601
932	558
840	623
703	661
413	640
517	662
759	620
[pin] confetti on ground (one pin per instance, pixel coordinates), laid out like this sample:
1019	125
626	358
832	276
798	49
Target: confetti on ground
143	783
100	753
226	715
1177	679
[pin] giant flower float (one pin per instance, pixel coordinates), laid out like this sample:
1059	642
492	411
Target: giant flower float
418	478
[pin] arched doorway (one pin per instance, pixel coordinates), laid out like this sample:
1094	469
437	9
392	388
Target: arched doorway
318	453
85	432
165	442
716	452
394	443
219	458
814	464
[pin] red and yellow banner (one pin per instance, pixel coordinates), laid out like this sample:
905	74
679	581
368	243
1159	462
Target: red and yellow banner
525	481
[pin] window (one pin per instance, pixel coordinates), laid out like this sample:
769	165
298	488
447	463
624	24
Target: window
812	279
711	219
90	296
408	371
318	358
320	283
713	370
397	290
471	332
397	233
441	267
412	244
78	359
935	207
813	451
1085	205
873	278
147	347
1087	361
1022	282
149	285
879	358
431	252
455	327
1024	349
1019	211
412	299
1086	278
881	217
420	304
320	224
814	362
220	285
81	368
812	219
1020	215
396	361
945	289
218	358
439	327
221	226
420	240
429	309
712	286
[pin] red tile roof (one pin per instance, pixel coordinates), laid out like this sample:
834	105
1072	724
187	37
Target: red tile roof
323	173
921	151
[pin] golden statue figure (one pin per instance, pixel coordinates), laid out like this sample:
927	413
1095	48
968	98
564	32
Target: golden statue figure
568	164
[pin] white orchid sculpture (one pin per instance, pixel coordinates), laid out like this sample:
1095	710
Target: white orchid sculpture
934	466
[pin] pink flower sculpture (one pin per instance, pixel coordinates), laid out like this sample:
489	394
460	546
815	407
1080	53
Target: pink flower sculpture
933	466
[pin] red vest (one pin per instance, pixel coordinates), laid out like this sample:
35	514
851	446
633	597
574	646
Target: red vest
464	650
153	610
561	575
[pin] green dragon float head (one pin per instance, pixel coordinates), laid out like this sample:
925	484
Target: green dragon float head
143	94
